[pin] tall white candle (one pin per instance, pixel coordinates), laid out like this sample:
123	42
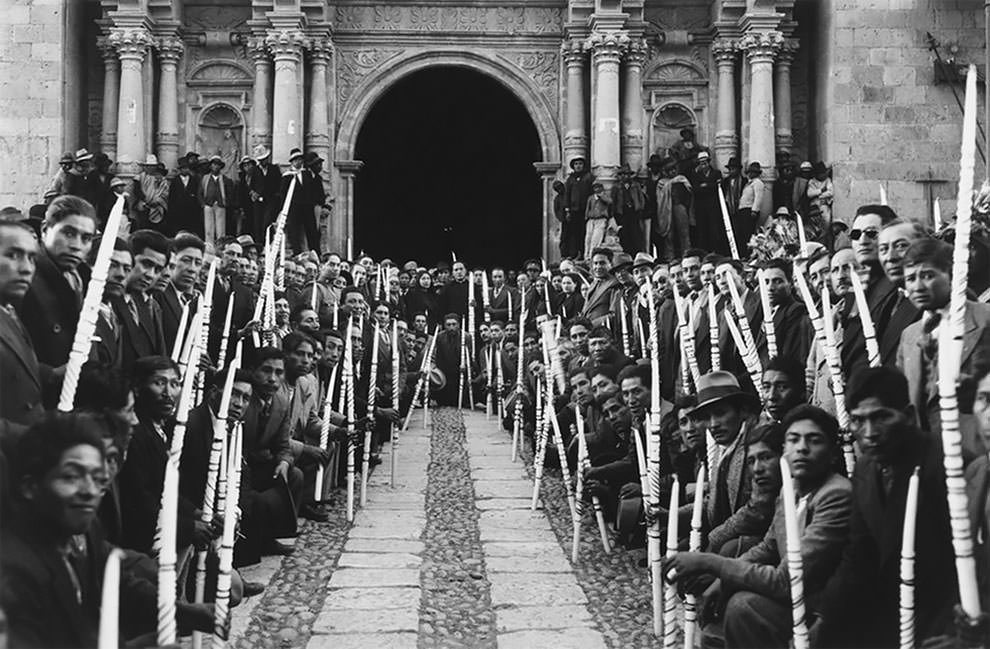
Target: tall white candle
110	602
795	563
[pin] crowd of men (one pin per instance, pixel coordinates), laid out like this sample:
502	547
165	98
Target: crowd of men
76	484
673	204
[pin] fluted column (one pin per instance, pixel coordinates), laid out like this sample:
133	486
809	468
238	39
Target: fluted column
761	48
111	97
286	46
342	224
632	105
132	47
782	95
261	111
318	129
575	136
170	51
607	48
726	137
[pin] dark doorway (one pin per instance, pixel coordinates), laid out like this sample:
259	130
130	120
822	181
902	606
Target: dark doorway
448	166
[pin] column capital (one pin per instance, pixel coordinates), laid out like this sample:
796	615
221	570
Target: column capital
286	43
320	49
573	51
637	51
257	48
788	50
130	43
108	50
724	51
761	46
608	45
170	49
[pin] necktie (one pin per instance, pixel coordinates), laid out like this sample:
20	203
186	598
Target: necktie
133	308
75	283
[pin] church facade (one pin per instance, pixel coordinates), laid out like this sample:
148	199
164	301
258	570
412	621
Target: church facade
850	82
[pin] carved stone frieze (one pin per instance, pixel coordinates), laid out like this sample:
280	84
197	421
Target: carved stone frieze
543	68
469	19
354	65
216	18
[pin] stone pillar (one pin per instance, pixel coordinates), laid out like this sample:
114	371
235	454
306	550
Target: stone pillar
318	127
111	97
761	48
607	48
261	111
132	47
726	137
286	46
169	52
551	228
343	219
575	135
632	106
782	95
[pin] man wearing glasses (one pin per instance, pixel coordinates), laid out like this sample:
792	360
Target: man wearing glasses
898	312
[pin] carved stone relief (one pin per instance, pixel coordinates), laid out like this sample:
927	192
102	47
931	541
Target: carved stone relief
543	68
501	20
354	65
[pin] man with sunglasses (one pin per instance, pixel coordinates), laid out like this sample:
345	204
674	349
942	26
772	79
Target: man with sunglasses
865	235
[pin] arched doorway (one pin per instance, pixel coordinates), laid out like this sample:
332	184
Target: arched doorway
448	157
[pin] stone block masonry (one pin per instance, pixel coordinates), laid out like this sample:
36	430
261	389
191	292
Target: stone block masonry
31	85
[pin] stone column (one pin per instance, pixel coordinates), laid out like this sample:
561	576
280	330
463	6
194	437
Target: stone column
575	135
111	97
761	48
632	106
261	112
607	48
782	95
343	219
170	51
286	46
551	228
726	137
318	128
132	47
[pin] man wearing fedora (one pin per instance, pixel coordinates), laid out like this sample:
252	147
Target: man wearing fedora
216	193
78	181
628	202
747	214
301	207
151	196
184	208
321	208
577	190
705	180
265	186
246	170
57	185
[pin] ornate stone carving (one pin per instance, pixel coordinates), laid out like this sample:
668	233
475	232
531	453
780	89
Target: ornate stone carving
608	46
761	46
354	65
573	52
787	52
170	49
220	71
286	43
108	51
468	18
130	43
724	50
637	51
320	49
544	69
676	72
216	18
257	49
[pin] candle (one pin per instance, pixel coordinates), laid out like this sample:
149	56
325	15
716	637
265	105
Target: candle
517	420
578	432
90	312
349	386
165	541
221	606
768	328
907	563
883	194
795	563
396	388
727	222
424	377
937	215
802	235
670	590
838	381
225	337
372	397
508	294
869	332
558	437
110	602
653	465
747	334
694	545
325	431
485	297
180	333
713	330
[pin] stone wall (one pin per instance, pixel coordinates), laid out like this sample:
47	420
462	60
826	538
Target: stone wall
32	109
884	120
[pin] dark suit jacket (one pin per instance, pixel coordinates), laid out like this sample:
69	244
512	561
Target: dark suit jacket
898	314
185	211
243	312
853	350
140	339
39	598
50	311
862	595
107	348
763	569
195	462
454	299
730	356
598	304
20	379
500	304
793	332
266	448
977	489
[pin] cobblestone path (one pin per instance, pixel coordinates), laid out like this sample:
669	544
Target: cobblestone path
451	557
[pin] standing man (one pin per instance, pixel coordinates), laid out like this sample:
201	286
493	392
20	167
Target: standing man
140	314
673	211
705	180
269	182
747	215
187	260
216	193
577	191
321	209
628	202
897	312
50	310
183	201
301	207
598	304
791	325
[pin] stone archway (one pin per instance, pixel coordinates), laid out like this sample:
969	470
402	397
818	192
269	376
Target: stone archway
377	84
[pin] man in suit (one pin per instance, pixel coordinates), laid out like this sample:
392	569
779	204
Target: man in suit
791	325
897	312
217	195
54	556
50	309
301	206
231	252
928	281
978	476
577	190
861	597
265	183
180	293
184	209
137	311
731	270
107	349
21	375
454	296
757	585
598	304
318	196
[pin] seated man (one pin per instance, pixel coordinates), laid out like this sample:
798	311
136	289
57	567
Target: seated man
783	386
54	554
756	586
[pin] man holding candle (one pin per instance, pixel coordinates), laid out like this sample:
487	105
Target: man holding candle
139	314
186	261
756	585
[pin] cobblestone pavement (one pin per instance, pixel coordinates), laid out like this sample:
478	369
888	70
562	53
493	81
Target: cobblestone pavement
452	556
